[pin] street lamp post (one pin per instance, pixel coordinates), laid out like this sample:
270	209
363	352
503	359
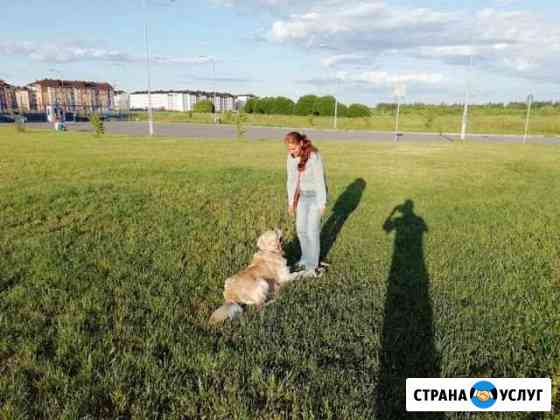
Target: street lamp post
399	90
336	105
213	61
464	122
214	87
529	103
59	74
148	74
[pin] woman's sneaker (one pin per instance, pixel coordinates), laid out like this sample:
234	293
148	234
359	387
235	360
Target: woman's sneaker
313	274
319	271
298	267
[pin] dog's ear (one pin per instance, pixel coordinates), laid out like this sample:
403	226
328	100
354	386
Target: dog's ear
261	242
278	233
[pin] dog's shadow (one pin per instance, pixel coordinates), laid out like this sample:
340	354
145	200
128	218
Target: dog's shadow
346	203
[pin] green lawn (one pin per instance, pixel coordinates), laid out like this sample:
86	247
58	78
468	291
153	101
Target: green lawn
480	121
113	254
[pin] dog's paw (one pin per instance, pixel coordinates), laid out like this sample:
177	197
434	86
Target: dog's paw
234	311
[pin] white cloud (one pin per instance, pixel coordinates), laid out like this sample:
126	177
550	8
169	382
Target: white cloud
382	78
183	60
515	43
338	59
60	52
358	23
380	81
78	52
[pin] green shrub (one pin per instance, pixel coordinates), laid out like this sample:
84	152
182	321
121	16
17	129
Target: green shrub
430	116
342	110
264	105
282	106
97	124
240	128
358	110
228	117
204	106
324	106
250	106
304	105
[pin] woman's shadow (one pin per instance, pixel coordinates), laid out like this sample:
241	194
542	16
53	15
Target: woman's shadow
346	203
407	343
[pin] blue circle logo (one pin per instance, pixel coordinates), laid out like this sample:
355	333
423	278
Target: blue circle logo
484	394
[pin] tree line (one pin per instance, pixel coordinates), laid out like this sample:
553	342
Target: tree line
312	105
306	105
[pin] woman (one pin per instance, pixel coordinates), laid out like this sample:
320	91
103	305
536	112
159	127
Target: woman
307	196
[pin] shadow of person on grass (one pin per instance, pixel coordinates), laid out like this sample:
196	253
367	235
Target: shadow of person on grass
407	342
346	203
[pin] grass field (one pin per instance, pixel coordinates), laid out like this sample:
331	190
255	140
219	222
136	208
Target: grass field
113	254
481	121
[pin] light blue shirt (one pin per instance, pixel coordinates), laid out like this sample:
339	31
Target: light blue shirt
312	178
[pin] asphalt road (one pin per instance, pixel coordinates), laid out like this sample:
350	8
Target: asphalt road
208	131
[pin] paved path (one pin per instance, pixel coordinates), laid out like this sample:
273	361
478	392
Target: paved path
208	131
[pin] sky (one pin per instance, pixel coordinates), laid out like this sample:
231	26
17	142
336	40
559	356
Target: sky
358	50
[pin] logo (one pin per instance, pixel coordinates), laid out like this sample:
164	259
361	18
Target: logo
478	394
483	394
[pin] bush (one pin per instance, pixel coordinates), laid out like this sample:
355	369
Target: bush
240	128
324	106
304	105
250	106
430	116
228	117
204	106
282	106
342	110
97	124
358	110
264	105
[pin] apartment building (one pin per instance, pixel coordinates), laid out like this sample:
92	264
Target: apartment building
121	101
7	97
25	99
72	95
182	100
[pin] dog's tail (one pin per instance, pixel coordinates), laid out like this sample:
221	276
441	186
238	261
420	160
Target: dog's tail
226	311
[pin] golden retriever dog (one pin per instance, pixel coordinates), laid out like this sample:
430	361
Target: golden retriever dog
260	281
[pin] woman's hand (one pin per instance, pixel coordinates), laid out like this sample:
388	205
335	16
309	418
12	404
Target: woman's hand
291	211
322	211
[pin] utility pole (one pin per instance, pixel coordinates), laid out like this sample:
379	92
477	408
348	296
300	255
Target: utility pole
399	91
148	73
529	103
214	87
336	105
464	122
397	118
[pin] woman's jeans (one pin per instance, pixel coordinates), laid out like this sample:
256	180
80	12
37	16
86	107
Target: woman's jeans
308	226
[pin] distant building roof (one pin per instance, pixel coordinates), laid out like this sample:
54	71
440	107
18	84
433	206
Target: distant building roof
191	92
73	83
5	85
